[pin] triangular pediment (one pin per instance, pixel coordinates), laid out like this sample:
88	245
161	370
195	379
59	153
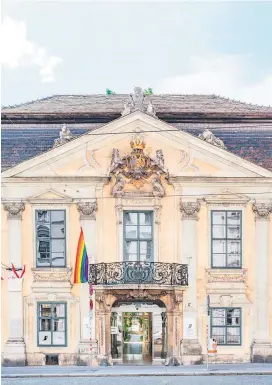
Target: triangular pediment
49	195
91	154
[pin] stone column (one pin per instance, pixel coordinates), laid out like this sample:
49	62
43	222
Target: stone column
87	212
14	349
262	346
190	348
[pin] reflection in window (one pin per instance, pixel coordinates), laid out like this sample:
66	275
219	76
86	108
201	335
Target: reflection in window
52	324
226	325
50	235
138	236
226	239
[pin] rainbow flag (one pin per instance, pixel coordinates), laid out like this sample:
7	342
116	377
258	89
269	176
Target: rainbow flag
81	268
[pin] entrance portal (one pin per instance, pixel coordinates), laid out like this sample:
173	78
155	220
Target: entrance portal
138	333
137	337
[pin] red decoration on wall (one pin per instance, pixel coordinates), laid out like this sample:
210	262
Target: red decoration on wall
91	304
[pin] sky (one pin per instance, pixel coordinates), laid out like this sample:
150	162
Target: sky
183	47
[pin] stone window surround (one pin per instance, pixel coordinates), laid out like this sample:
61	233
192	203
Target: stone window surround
225	326
138	203
45	207
226	211
226	207
51	318
32	301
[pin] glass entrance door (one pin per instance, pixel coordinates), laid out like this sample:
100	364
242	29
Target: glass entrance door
137	337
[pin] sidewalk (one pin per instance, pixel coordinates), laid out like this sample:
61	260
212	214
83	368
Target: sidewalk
136	371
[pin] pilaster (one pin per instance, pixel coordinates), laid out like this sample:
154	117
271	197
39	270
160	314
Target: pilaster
14	349
190	347
262	344
87	347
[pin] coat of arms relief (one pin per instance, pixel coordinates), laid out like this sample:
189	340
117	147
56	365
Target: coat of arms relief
137	168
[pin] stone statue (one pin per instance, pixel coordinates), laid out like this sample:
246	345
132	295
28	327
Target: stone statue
209	137
118	187
158	189
64	136
151	109
116	160
126	110
137	100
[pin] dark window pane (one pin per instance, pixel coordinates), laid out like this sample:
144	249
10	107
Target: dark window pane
219	335
58	260
233	335
45	310
233	260
45	324
59	310
234	217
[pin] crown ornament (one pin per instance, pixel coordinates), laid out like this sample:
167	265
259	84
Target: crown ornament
137	142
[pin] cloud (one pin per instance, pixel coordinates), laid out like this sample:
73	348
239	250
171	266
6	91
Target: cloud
225	75
18	51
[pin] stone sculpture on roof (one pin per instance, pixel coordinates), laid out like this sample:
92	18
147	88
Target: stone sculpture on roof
136	103
65	136
209	137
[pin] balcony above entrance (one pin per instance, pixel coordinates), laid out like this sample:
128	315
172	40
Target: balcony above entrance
129	272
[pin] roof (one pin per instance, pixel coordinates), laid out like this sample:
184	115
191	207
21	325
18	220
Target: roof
165	105
253	143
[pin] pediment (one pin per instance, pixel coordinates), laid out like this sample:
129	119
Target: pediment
48	196
90	155
228	198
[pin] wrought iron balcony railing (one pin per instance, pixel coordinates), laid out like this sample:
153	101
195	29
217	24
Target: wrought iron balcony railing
116	273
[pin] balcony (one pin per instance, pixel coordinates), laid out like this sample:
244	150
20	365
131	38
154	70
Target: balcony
158	273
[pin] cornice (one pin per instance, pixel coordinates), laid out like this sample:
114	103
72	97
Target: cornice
42	179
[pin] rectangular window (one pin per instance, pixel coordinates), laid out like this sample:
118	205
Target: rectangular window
226	325
138	236
226	239
52	324
51	238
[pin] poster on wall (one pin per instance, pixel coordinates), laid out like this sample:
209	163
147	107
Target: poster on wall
189	328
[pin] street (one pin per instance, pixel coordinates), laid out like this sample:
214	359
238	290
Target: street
156	380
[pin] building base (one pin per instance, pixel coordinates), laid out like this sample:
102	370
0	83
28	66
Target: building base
87	353
104	360
173	361
262	352
191	352
14	353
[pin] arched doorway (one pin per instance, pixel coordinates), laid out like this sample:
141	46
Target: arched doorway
138	331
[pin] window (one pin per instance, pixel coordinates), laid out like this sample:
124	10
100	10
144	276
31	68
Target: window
50	235
226	325
52	324
138	236
226	239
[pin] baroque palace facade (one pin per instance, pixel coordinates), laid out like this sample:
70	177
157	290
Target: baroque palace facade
173	209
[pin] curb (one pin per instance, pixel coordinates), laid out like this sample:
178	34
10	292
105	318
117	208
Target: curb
164	374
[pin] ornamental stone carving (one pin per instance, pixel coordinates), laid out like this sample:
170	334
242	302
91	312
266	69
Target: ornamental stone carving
137	168
209	137
49	276
87	210
139	294
230	276
136	103
65	136
262	210
189	210
14	209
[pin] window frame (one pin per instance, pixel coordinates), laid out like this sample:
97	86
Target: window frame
227	239
138	239
225	325
51	320
50	239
